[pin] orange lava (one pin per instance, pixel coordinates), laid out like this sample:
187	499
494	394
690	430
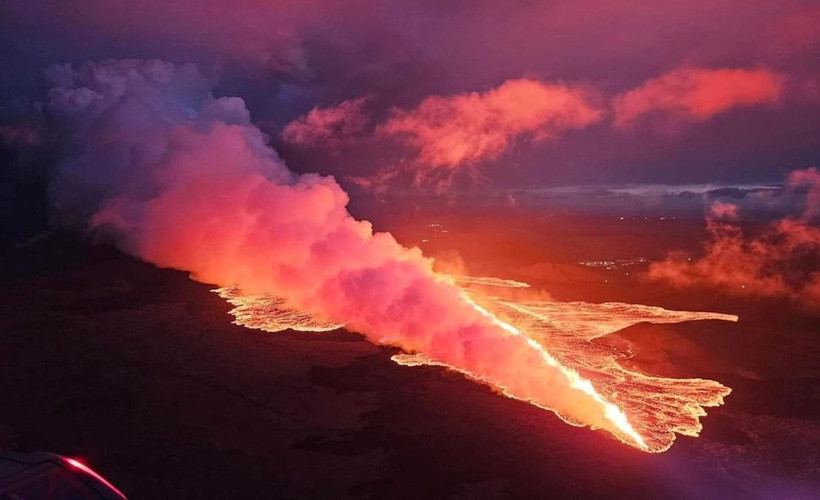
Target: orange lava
643	411
271	314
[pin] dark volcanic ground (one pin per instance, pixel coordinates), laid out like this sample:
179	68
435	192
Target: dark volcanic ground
140	372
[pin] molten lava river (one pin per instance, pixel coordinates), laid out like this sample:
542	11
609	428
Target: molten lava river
646	411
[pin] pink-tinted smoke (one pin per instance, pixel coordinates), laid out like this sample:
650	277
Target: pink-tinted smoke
185	181
782	261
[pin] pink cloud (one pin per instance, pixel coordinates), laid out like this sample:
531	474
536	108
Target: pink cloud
779	262
328	127
697	94
453	132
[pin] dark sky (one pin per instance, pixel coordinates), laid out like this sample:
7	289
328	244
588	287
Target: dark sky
692	91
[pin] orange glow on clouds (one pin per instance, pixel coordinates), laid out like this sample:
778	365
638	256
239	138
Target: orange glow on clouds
328	127
448	135
450	132
697	94
779	262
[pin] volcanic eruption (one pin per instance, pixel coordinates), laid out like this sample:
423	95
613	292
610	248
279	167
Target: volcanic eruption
184	180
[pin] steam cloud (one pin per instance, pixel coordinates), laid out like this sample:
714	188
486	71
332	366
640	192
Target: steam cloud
184	180
782	261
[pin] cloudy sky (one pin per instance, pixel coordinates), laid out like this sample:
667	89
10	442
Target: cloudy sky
445	95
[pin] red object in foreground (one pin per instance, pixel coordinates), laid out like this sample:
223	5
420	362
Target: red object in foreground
30	476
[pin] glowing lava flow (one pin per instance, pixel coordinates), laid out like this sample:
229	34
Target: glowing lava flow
645	411
658	407
613	413
271	314
489	281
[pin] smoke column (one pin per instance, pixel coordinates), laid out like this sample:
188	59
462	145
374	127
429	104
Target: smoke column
184	180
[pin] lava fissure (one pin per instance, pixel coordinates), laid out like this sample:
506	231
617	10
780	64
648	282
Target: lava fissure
643	411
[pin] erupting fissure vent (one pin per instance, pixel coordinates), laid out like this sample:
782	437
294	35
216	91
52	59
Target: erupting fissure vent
643	411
